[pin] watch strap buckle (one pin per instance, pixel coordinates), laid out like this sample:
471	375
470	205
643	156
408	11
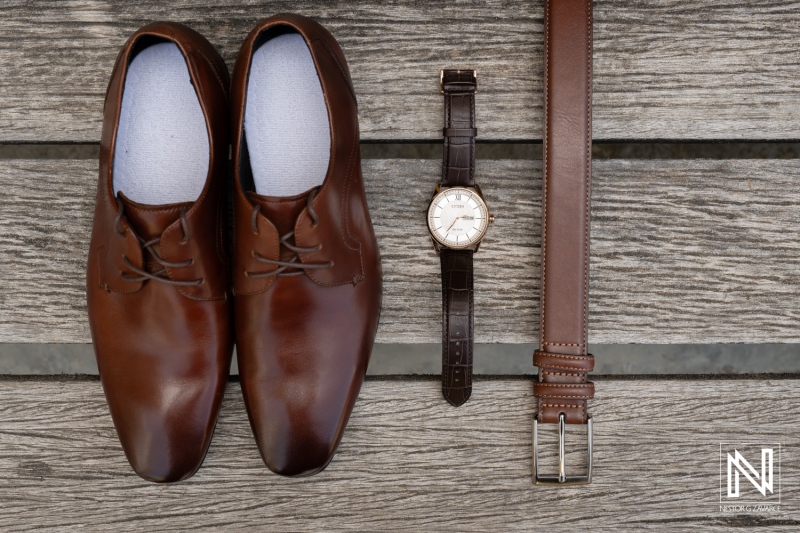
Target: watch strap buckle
459	85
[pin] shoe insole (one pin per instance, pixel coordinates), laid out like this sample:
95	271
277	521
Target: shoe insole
286	119
161	154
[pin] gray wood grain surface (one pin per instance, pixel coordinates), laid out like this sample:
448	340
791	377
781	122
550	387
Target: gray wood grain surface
409	462
662	70
683	251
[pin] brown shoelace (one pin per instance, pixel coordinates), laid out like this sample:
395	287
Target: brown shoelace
150	246
292	263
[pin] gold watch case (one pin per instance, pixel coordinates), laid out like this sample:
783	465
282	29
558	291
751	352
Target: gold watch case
475	245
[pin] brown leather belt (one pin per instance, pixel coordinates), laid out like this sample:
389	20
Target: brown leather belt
562	389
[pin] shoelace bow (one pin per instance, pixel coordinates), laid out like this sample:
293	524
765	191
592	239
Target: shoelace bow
292	263
150	246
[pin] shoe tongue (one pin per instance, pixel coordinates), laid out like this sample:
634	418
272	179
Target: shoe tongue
150	221
279	210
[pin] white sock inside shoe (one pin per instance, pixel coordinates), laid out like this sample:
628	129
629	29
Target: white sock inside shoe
161	155
286	119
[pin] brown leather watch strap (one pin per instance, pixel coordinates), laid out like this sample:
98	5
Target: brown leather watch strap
457	325
458	166
458	170
562	359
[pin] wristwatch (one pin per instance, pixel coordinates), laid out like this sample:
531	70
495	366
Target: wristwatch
457	220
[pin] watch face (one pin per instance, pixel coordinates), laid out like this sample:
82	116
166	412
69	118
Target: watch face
457	217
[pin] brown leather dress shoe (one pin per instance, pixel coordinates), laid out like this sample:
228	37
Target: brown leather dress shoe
307	274
158	281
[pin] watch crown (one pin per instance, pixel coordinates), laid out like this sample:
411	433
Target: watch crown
491	218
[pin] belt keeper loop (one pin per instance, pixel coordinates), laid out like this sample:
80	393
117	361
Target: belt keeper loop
576	363
566	391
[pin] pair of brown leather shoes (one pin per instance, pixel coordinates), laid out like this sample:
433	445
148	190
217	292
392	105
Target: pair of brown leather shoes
303	297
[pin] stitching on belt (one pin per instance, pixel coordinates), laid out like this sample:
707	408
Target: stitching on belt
543	394
562	344
579	357
569	385
572	374
564	368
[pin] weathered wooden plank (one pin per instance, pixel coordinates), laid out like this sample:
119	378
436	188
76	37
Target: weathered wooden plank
662	70
409	462
683	251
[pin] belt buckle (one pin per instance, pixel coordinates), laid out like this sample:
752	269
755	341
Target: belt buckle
561	479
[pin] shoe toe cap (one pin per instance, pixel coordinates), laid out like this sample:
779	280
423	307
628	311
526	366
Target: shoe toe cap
298	457
165	429
164	456
298	426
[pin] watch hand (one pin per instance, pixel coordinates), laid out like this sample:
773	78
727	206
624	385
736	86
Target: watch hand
454	223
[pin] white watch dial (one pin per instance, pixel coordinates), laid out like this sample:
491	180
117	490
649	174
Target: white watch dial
457	217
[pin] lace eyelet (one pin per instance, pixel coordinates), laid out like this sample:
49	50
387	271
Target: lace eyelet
319	247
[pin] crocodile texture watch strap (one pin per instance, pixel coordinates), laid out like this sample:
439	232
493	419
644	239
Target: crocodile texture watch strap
562	359
458	170
458	165
457	324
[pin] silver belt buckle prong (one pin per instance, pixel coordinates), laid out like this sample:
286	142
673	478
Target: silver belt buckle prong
562	478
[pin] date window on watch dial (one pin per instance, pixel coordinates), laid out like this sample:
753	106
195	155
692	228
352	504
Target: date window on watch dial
458	217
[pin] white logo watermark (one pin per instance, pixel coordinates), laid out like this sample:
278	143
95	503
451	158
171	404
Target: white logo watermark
737	464
749	477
